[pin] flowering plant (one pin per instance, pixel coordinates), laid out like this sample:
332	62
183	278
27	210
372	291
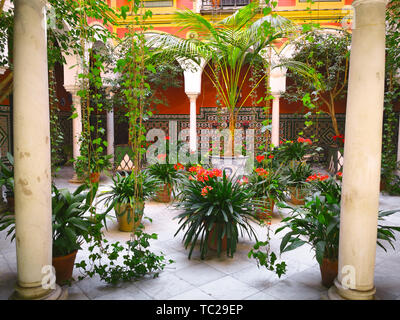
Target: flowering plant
214	208
290	150
299	175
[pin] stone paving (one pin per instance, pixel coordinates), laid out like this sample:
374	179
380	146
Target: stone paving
214	278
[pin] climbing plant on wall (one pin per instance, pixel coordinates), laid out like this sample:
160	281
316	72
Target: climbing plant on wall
390	180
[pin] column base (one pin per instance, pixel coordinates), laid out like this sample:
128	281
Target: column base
75	179
58	293
338	292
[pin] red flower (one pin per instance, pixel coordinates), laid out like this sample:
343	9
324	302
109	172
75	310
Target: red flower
167	138
204	191
271	156
262	172
179	166
260	158
300	139
244	180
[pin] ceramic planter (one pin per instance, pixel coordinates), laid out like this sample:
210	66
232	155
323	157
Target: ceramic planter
213	243
164	195
127	220
329	271
64	266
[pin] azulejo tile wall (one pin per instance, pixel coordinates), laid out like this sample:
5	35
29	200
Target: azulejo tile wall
211	118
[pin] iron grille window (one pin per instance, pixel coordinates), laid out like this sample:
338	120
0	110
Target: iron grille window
209	4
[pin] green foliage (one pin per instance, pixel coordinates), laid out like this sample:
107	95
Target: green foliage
318	223
268	186
130	188
7	174
137	260
167	173
70	225
392	95
225	203
328	54
298	174
294	150
267	259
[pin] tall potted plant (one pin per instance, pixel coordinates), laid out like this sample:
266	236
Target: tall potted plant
232	46
127	196
215	209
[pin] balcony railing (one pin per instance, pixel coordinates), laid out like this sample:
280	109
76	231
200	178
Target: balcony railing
223	4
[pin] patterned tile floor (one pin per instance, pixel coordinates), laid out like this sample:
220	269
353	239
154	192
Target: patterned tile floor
213	278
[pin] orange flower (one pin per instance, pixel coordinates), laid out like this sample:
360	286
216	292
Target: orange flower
179	166
260	158
204	191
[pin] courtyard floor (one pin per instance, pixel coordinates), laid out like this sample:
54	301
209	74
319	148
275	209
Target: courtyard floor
214	278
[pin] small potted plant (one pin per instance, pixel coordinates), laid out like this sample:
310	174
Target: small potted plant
169	175
214	209
293	152
297	176
98	163
127	196
268	185
71	227
7	180
318	224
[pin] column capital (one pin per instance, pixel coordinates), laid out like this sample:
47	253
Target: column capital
192	95
73	89
276	95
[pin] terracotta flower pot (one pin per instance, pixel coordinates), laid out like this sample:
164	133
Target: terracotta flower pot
95	177
213	243
10	203
164	195
297	196
125	211
64	266
329	271
267	211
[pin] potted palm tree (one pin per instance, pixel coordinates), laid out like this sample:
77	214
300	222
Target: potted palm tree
215	208
232	46
127	196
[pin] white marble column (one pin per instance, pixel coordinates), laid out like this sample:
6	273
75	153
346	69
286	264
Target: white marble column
362	154
275	120
193	122
32	175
